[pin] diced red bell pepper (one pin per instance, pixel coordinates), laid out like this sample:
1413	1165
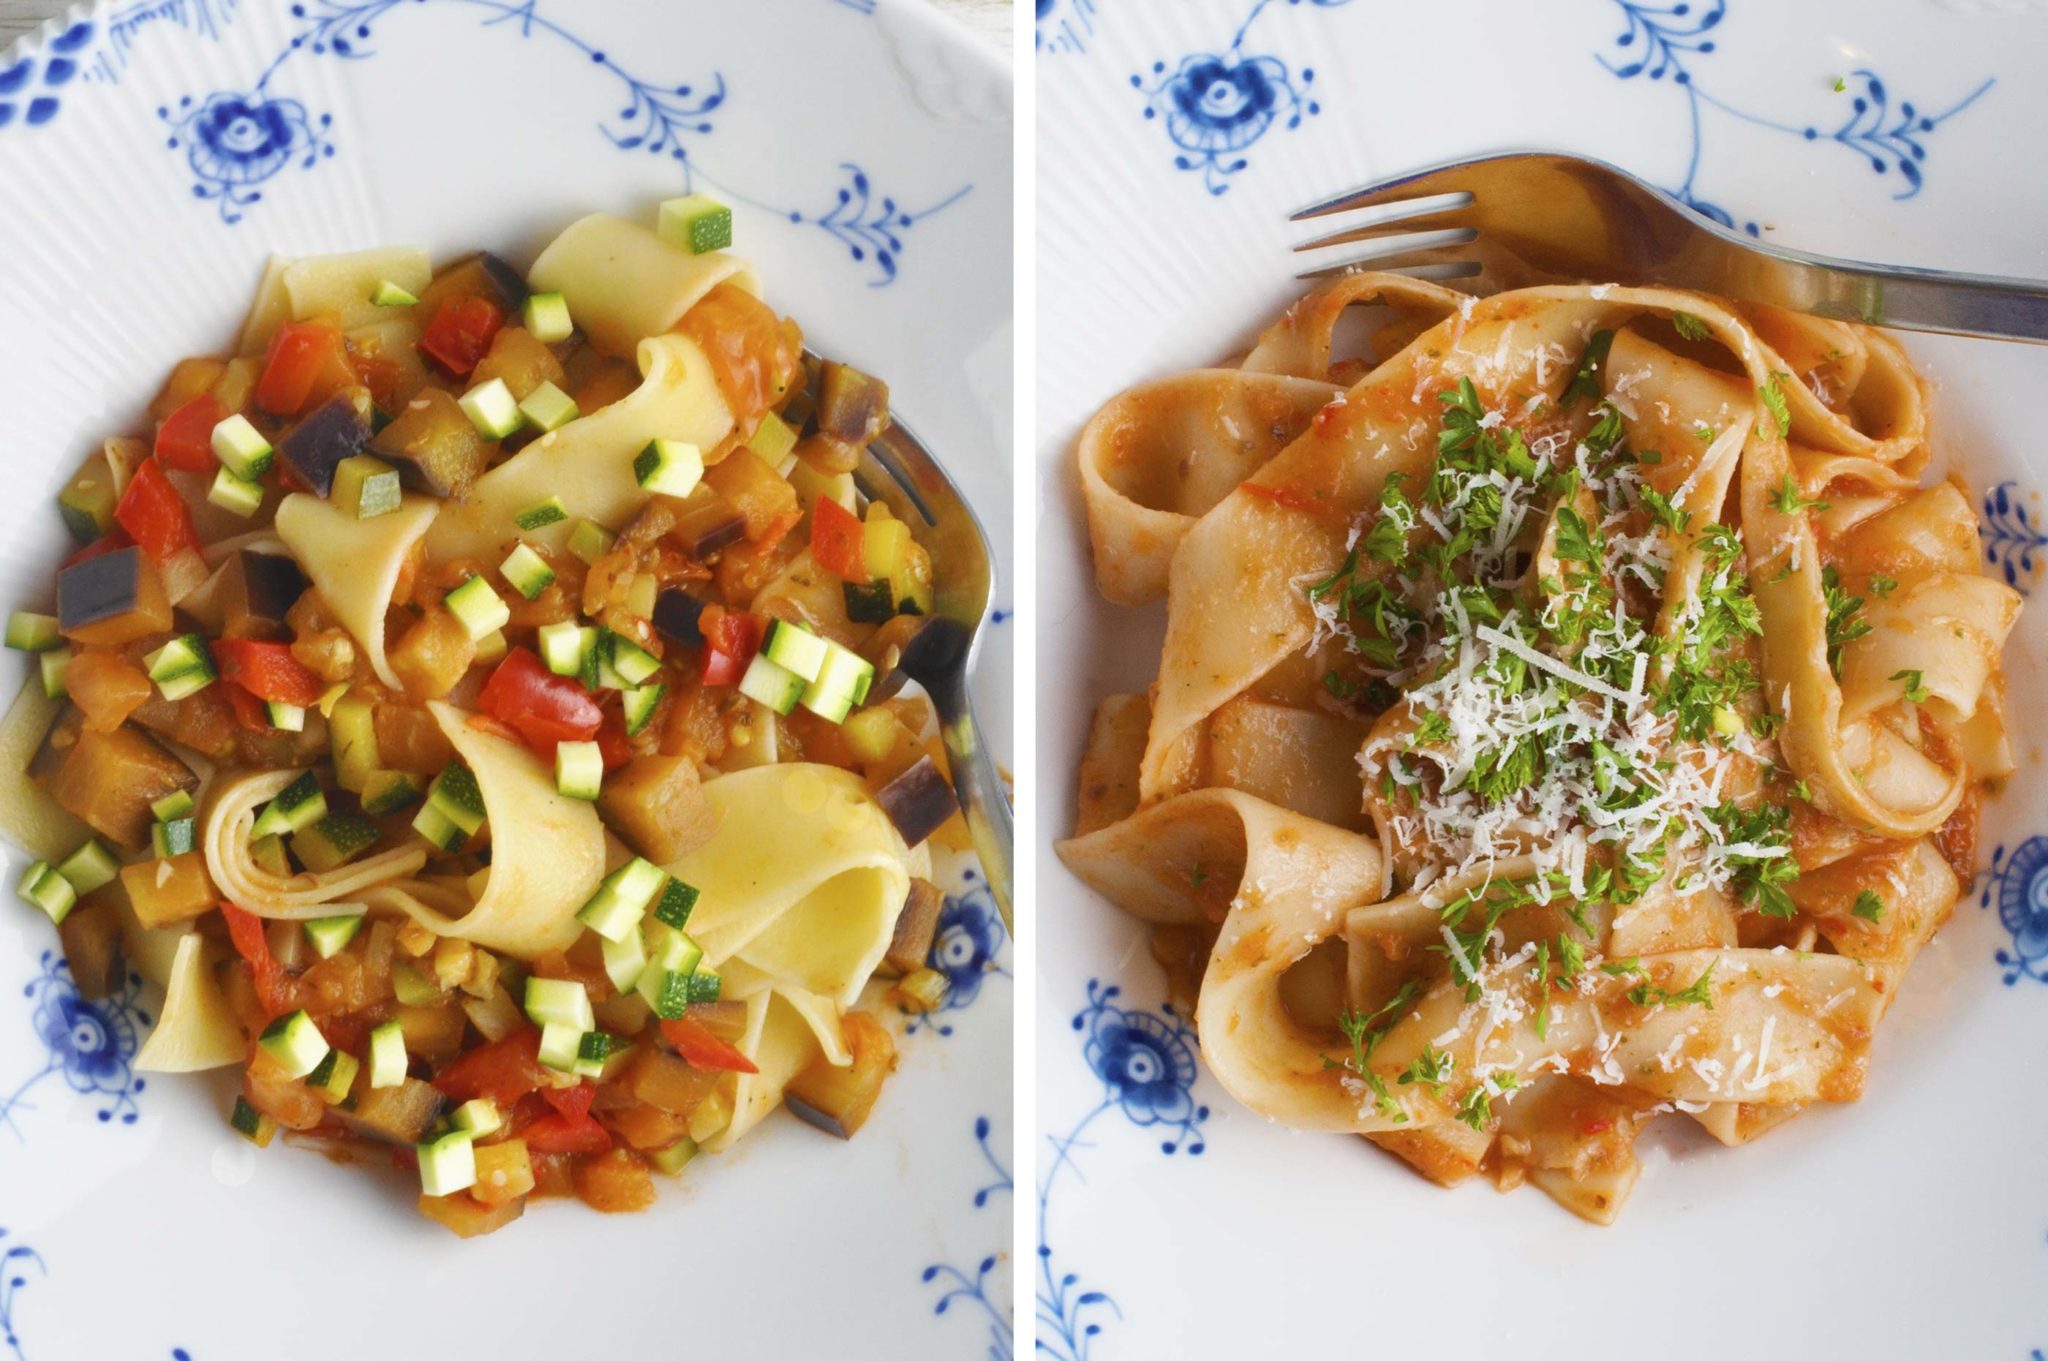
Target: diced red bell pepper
460	334
836	541
560	1134
268	671
541	707
185	440
503	1070
380	376
571	1103
702	1049
612	747
155	515
273	987
249	710
730	646
302	353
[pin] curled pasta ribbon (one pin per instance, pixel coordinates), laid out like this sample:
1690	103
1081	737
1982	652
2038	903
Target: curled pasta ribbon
543	868
355	564
817	923
1160	456
1294	880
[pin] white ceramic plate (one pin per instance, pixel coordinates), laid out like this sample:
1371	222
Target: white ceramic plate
152	153
1173	141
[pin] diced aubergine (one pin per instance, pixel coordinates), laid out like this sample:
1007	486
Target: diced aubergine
91	934
916	925
482	275
707	522
397	1115
853	407
837	1100
112	598
657	805
109	780
918	801
676	613
434	445
262	588
313	448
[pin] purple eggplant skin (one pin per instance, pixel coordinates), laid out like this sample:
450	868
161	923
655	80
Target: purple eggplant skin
507	282
100	587
814	1117
676	613
918	801
316	445
272	584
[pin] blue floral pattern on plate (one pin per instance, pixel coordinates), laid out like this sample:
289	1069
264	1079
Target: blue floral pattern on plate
1214	105
91	1044
1064	25
1658	41
31	90
2017	885
972	1291
1146	1063
2011	536
966	947
235	142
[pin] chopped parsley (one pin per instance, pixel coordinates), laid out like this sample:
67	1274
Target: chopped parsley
1773	398
1476	1109
1868	906
1431	1068
1689	326
1881	585
1365	1030
1700	994
1757	845
1845	622
1916	689
1786	500
1585	384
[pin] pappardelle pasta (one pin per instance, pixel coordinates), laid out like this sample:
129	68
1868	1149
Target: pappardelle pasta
1577	712
477	705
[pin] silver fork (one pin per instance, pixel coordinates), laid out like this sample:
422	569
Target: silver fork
1578	218
898	471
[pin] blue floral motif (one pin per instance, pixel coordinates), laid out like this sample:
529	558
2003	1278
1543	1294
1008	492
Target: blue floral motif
203	18
966	946
36	101
972	1291
15	1260
2018	886
1146	1062
1215	105
234	142
1657	42
2011	536
92	1044
1065	25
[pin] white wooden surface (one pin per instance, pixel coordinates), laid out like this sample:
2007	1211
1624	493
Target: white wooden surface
990	18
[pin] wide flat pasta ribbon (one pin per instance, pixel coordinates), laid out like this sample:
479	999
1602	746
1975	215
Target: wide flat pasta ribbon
623	283
354	563
802	882
547	855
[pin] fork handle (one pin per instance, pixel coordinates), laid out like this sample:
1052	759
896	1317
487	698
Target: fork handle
1877	295
984	799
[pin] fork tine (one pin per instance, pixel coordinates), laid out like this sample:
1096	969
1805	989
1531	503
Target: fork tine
1401	189
1392	242
1402	212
